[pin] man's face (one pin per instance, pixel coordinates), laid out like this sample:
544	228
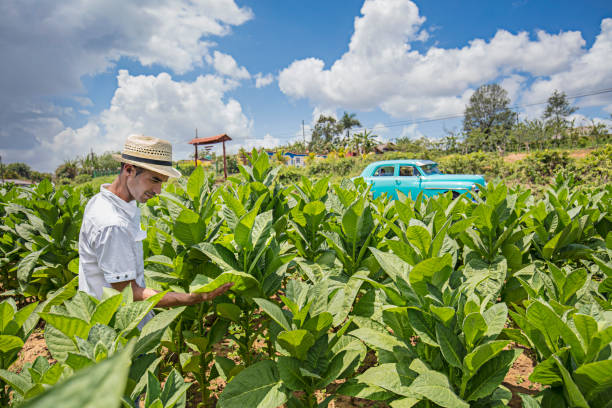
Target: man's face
147	184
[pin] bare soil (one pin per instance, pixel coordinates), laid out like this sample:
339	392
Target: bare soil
517	379
574	154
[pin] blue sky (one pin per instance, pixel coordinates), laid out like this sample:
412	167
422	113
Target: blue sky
83	77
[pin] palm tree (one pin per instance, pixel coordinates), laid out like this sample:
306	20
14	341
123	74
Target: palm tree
364	141
347	121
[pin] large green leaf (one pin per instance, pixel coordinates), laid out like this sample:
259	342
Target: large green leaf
10	343
377	339
432	270
388	377
70	326
195	182
274	311
7	311
474	327
452	349
289	371
188	228
435	387
104	384
595	379
490	375
481	354
570	390
296	342
257	386
550	324
244	284
105	310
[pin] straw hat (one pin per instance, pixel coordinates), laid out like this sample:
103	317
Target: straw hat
150	153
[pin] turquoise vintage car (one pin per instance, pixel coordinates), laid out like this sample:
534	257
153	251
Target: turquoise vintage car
413	176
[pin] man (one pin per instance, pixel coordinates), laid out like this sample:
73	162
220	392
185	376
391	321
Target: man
110	242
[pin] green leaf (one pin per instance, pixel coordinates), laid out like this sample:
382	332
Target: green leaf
435	387
188	228
573	282
296	342
529	401
27	264
586	327
319	324
435	271
490	375
495	317
388	377
481	354
289	371
377	339
195	183
275	312
570	390
546	320
104	382
474	327
419	237
451	347
595	379
70	326
10	343
423	325
244	284
257	386
7	311
105	310
353	388
444	313
229	311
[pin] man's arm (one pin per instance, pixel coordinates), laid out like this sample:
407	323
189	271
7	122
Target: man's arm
171	298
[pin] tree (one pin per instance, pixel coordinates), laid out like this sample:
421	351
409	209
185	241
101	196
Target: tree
489	108
364	141
558	109
324	133
347	121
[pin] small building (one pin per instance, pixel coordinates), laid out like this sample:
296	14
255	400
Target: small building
293	159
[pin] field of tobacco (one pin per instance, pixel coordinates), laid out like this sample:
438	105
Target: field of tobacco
410	303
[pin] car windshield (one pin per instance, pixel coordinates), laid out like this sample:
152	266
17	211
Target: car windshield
430	169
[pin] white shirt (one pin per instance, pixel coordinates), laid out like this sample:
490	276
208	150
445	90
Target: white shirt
110	243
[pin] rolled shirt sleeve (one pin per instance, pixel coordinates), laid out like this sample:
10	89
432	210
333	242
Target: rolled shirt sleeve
116	253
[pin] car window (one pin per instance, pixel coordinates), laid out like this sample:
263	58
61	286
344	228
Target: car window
407	171
430	169
384	171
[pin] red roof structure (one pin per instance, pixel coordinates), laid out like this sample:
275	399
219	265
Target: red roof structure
210	140
222	138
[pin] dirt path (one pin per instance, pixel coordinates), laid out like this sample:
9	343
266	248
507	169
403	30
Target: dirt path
574	154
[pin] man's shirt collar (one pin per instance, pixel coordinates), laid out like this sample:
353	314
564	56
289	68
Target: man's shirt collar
131	209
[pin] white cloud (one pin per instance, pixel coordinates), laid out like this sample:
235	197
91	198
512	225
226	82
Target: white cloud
48	46
262	80
381	70
412	132
226	65
155	105
267	142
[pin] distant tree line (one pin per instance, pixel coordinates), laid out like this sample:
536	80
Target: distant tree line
489	125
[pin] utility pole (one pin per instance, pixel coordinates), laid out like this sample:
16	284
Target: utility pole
303	134
2	169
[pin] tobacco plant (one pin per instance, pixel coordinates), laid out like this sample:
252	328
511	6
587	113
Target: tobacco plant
310	357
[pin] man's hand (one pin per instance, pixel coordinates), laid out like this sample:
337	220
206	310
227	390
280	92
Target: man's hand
208	296
172	298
